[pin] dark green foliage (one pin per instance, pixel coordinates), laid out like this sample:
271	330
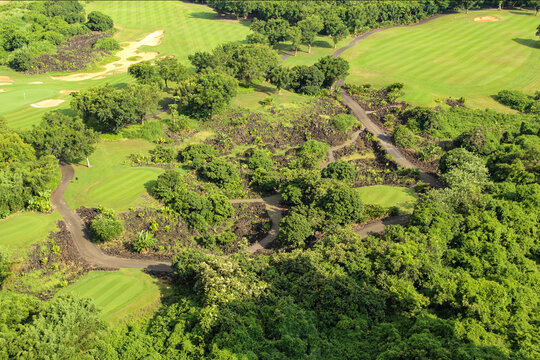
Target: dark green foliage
206	94
342	205
144	240
198	154
421	119
219	208
461	168
404	137
344	122
478	140
280	76
107	44
62	328
97	21
64	137
4	266
168	185
312	152
221	172
21	60
294	229
163	154
333	69
518	101
143	71
24	177
170	69
105	228
260	158
275	30
340	170
109	109
184	264
266	180
256	38
306	79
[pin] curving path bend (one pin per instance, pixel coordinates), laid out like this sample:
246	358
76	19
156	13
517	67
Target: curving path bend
93	254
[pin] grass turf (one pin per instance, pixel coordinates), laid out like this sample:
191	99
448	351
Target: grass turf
453	56
388	196
188	28
122	295
19	231
110	182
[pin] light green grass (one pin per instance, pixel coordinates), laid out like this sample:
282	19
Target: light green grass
250	98
388	196
322	47
453	56
19	231
110	181
188	28
124	296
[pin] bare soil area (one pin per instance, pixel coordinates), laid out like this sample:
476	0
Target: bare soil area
486	19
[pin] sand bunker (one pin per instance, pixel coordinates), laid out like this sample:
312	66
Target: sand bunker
48	103
5	78
486	19
2	90
5	84
121	66
35	82
68	92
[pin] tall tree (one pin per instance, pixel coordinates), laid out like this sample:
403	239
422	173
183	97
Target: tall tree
142	71
64	137
205	94
295	35
335	28
170	69
310	27
279	76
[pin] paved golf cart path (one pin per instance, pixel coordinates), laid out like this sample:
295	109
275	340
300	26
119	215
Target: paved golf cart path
93	254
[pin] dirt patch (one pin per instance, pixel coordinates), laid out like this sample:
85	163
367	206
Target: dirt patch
68	92
121	66
48	103
5	78
486	19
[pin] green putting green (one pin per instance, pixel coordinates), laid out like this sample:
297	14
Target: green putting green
453	56
110	181
19	231
388	196
122	295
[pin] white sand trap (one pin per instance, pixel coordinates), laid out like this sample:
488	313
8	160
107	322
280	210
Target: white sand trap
48	103
6	84
121	66
2	90
5	78
36	82
486	19
68	92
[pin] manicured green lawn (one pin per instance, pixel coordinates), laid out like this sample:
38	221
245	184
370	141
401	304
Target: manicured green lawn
21	230
123	296
110	181
453	56
323	46
250	98
388	196
188	27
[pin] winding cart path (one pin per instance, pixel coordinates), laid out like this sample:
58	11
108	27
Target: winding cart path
93	254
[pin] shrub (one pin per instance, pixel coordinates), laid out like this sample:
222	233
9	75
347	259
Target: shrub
98	21
256	38
184	264
340	170
404	137
219	207
21	60
260	158
4	266
168	185
163	154
198	154
478	140
143	241
294	229
107	44
266	180
342	205
344	122
221	172
306	79
516	100
105	228
196	221
312	152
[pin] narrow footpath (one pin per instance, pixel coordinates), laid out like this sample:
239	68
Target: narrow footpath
93	254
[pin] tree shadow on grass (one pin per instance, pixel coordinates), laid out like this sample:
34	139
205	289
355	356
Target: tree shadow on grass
522	13
322	44
535	44
264	89
149	185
